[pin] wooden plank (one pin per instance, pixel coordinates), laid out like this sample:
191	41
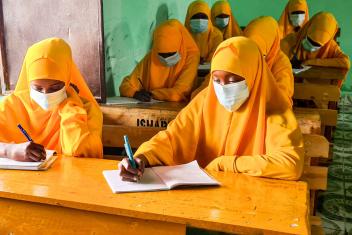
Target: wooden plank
79	26
309	122
315	220
317	230
328	117
4	79
21	217
316	92
113	135
316	146
143	115
323	73
316	177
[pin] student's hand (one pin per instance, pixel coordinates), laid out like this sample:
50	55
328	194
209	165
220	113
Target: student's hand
26	152
202	60
296	64
143	95
128	173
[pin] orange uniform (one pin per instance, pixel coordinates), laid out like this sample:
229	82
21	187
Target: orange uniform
209	40
166	83
72	128
285	24
265	32
321	29
261	138
232	29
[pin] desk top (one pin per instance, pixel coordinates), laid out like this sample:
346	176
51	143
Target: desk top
274	206
324	73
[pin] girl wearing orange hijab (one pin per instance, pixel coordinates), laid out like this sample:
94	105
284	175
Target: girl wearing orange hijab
242	122
223	19
54	114
314	44
265	32
198	23
169	70
294	16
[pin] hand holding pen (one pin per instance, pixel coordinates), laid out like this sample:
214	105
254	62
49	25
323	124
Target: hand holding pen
27	151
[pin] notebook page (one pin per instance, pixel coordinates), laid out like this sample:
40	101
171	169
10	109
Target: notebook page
186	174
149	182
305	67
6	163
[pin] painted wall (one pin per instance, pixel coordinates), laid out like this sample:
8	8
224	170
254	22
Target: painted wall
128	27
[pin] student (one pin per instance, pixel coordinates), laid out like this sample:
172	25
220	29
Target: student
52	112
294	16
265	32
314	44
241	123
169	70
223	19
207	37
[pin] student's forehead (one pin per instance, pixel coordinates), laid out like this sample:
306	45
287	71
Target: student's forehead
46	82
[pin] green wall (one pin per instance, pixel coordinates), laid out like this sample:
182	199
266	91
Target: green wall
128	26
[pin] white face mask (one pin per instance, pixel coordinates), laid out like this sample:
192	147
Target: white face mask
308	46
231	96
297	19
199	25
50	100
171	60
222	22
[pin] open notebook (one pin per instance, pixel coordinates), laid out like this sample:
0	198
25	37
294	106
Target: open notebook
6	163
127	100
161	178
300	70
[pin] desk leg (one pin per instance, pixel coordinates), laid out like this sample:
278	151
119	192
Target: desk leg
21	217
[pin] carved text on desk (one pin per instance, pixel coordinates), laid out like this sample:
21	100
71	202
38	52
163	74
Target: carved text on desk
152	123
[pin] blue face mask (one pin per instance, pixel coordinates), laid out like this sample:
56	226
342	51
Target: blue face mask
222	22
199	25
171	60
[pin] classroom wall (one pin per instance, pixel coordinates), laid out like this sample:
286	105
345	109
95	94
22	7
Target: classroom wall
128	26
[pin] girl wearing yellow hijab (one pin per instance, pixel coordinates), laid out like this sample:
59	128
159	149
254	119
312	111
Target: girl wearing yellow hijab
53	113
169	70
242	122
314	44
294	16
223	19
265	32
198	23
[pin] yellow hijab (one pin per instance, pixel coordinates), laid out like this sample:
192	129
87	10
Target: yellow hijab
50	59
208	40
232	29
285	25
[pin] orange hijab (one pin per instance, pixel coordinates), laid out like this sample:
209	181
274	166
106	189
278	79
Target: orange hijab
321	29
285	25
171	36
265	32
246	127
232	29
50	59
206	41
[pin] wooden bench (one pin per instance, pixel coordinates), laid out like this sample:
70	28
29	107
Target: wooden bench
317	90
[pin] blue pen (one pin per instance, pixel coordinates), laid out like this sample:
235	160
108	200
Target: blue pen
129	151
24	133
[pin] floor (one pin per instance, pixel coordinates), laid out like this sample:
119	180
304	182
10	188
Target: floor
335	205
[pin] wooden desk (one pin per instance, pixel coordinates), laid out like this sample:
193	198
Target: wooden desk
73	198
322	73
